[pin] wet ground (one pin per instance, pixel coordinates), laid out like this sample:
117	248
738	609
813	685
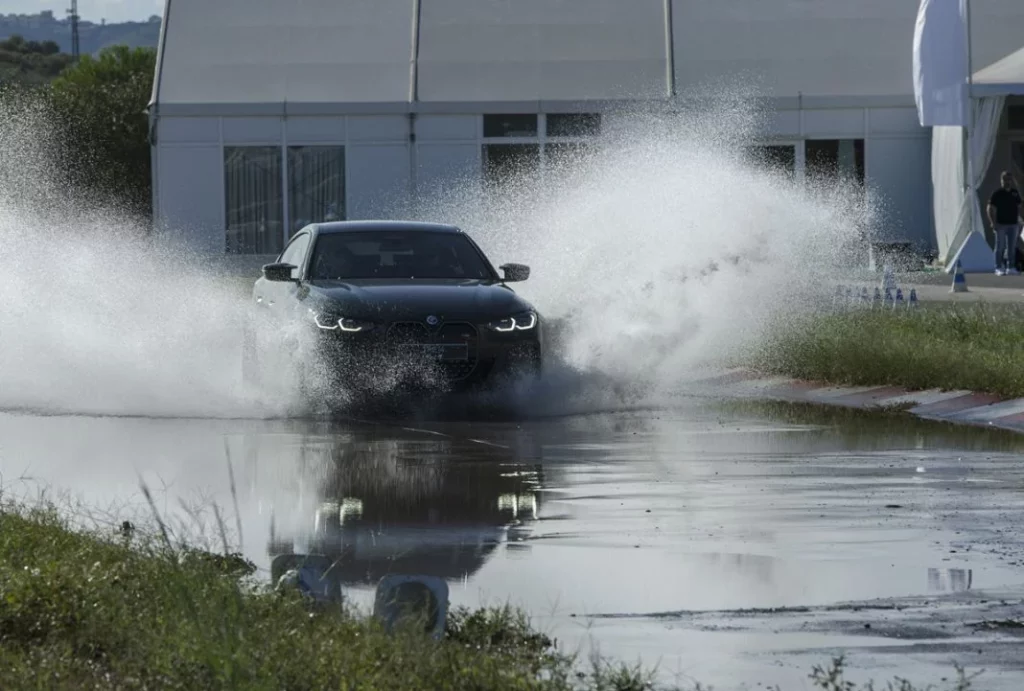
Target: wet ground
734	547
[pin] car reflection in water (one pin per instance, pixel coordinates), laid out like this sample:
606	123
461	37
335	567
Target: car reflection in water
421	506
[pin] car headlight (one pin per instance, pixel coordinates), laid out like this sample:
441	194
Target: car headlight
331	322
517	322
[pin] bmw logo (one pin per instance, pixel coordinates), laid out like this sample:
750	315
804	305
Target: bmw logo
433	321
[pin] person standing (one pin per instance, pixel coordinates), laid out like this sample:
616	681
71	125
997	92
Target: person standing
1004	217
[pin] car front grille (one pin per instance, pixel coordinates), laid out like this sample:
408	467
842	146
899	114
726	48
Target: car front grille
459	337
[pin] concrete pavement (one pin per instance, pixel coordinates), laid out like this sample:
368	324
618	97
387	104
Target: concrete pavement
961	407
934	286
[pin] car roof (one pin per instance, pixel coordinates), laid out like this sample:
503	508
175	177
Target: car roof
363	226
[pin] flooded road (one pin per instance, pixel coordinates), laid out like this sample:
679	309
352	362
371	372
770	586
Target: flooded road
732	547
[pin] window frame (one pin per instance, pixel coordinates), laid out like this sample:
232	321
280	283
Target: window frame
541	140
283	148
860	147
288	148
282	206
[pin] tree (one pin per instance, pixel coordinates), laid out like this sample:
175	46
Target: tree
30	62
102	103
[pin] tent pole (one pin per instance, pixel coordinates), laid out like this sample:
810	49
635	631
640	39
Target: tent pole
969	128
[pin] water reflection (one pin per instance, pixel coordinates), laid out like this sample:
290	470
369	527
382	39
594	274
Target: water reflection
950	580
844	429
379	504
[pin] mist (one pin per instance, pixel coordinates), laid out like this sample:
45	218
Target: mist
659	253
663	253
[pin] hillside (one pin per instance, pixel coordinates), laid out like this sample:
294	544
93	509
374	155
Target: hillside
30	62
92	36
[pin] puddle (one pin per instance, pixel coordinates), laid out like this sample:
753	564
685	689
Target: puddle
642	521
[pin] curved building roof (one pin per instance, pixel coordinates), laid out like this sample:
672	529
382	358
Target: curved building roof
400	55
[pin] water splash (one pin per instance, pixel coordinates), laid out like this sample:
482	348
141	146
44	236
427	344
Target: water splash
100	317
659	253
664	252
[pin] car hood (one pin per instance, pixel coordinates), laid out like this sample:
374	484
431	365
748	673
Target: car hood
416	299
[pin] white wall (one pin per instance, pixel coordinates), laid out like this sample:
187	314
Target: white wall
378	180
268	51
897	160
190	186
820	47
531	50
448	154
376	51
189	182
381	170
898	171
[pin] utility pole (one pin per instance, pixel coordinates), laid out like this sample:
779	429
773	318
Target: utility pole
73	13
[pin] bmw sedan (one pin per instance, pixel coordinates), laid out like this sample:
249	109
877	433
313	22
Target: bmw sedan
393	301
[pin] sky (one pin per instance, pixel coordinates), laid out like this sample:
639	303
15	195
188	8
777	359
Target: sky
91	10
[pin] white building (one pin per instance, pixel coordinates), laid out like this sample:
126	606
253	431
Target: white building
269	114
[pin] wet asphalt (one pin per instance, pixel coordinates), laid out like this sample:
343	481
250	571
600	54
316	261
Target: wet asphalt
733	548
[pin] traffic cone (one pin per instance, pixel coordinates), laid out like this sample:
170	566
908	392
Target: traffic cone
959	283
912	304
888	278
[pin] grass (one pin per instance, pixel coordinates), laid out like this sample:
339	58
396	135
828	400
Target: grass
81	609
978	347
85	610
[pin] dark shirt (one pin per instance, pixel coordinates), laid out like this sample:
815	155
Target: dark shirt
1007	204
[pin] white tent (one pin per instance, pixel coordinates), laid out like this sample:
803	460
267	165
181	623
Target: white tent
958	213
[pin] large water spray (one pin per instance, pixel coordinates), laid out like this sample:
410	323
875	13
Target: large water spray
666	250
660	251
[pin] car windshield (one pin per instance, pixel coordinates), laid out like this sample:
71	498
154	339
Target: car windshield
396	254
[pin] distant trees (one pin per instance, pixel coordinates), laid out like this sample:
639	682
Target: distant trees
93	36
30	62
101	102
90	122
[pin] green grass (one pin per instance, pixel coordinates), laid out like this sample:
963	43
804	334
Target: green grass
977	347
83	610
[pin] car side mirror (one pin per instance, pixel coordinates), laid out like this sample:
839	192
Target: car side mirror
515	272
278	272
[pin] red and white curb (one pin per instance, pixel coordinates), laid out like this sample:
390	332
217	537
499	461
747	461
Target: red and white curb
966	407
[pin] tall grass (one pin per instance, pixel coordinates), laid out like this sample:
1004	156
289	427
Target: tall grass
82	610
978	347
121	610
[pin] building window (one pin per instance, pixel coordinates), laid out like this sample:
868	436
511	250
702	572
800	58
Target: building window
316	185
573	124
780	158
517	125
505	162
1015	118
253	196
831	161
541	148
564	156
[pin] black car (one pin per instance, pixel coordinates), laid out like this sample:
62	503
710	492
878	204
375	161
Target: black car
389	303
